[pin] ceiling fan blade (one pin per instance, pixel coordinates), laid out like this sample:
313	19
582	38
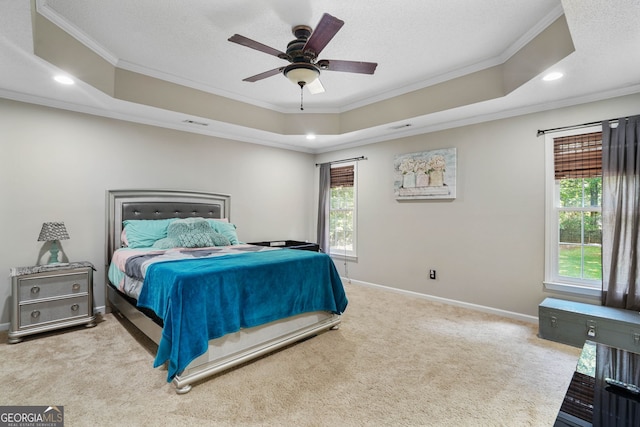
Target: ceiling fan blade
263	75
244	41
348	66
315	87
323	33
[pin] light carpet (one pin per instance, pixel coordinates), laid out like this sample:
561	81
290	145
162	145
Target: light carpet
396	360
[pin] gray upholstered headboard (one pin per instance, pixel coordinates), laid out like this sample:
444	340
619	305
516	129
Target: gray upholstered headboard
158	204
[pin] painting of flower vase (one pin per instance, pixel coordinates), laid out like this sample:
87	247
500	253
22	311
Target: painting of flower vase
425	175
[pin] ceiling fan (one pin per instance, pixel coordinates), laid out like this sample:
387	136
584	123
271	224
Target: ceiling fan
302	53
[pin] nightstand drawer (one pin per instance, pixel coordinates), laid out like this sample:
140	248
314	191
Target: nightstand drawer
37	287
53	310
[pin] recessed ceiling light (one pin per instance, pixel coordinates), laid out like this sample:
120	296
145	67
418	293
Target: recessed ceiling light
311	137
552	76
65	80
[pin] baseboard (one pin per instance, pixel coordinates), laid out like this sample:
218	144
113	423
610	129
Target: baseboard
476	307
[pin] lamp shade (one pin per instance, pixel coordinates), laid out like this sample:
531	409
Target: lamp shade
52	231
301	73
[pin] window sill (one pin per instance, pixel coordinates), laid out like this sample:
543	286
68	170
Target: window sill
343	257
575	290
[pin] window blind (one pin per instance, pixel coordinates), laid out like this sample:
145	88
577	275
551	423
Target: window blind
578	156
342	176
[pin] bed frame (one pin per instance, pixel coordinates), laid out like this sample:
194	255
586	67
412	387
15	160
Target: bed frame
224	352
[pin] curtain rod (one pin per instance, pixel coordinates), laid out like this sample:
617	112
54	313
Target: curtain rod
583	125
353	159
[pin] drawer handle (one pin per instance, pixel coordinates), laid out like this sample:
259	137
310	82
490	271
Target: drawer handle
75	286
75	307
35	314
35	289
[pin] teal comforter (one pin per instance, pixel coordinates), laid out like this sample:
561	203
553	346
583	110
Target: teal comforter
203	299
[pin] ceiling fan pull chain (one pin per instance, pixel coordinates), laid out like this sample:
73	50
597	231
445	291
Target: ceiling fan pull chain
301	94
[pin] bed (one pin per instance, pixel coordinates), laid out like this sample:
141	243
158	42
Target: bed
207	306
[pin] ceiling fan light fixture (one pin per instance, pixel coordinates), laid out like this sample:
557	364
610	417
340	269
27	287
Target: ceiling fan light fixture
301	73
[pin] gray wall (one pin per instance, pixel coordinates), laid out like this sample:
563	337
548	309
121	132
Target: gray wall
487	245
57	165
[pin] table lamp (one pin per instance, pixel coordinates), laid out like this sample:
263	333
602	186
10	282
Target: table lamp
52	232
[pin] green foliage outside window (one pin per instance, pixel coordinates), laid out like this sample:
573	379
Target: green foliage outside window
580	228
581	192
341	219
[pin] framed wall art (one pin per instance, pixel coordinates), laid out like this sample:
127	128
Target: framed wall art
425	175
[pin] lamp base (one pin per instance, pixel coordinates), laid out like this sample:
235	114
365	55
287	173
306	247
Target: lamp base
54	252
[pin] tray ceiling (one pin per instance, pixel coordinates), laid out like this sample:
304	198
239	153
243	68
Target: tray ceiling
419	48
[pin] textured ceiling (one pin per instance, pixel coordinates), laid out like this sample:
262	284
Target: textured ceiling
413	44
417	44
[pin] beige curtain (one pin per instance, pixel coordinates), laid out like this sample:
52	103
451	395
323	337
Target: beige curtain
621	214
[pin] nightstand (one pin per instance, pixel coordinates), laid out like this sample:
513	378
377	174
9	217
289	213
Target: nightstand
49	297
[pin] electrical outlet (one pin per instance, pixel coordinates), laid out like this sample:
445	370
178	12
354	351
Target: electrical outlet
432	274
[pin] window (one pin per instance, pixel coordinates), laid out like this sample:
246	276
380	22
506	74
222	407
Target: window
574	217
342	213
